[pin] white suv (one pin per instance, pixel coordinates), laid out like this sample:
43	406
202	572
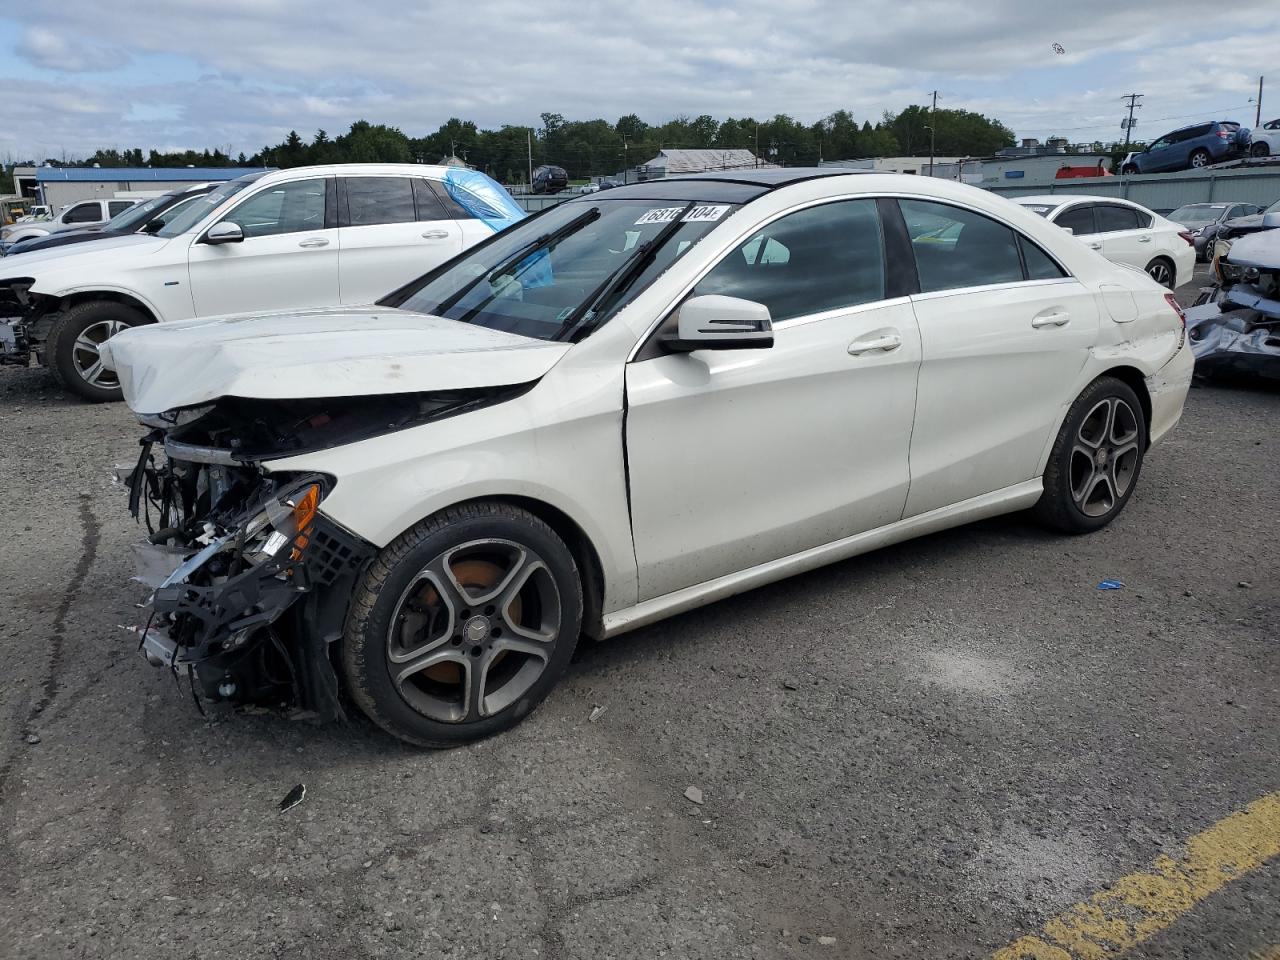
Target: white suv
86	213
286	239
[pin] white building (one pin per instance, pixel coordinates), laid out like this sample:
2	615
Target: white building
673	163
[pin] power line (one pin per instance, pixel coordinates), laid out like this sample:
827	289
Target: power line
1103	126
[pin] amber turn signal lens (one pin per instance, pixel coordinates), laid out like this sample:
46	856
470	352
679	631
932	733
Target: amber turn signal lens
304	510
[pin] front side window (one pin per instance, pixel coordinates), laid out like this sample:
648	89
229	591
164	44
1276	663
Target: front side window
284	208
817	259
135	215
564	273
957	248
192	215
1078	219
83	213
372	200
1112	218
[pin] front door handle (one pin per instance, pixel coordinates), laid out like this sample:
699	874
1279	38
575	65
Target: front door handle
436	235
1095	246
314	242
884	343
1055	319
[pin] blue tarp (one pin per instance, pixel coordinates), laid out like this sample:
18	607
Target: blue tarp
483	198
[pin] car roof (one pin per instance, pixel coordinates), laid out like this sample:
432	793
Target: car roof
727	186
430	170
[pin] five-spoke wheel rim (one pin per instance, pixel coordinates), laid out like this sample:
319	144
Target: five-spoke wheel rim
86	353
1160	273
474	630
1104	457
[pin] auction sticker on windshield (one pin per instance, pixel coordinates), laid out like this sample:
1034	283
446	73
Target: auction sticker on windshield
659	215
705	212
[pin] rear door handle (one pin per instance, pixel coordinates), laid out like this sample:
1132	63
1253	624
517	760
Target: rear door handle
1095	246
1055	319
885	343
436	235
314	242
1144	239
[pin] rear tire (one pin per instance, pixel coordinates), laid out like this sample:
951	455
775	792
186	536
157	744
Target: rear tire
72	347
1162	272
1096	459
1128	169
1260	150
1200	159
462	625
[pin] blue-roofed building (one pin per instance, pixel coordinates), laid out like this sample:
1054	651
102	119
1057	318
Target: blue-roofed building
59	186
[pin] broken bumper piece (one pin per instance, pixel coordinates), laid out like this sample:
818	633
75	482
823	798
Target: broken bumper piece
1235	342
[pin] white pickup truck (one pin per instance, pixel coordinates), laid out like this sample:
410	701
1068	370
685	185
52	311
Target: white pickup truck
334	235
82	214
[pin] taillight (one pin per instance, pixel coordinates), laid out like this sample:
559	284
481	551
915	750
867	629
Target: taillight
1172	301
1224	134
1188	236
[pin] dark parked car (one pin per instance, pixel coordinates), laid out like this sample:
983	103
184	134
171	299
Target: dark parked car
1192	147
550	179
145	217
1203	221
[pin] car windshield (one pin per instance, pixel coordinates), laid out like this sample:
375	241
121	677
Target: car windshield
562	274
1198	213
1274	208
137	215
196	212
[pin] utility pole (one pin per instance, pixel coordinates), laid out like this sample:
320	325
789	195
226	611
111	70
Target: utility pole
1133	99
530	133
1257	116
932	131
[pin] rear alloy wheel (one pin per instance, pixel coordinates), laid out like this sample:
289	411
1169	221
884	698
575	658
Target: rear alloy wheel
75	344
1161	272
1096	459
1200	159
463	625
1260	150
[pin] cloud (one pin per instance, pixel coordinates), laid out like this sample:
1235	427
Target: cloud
245	72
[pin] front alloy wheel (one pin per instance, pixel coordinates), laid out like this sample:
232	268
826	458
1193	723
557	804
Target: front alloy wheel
463	625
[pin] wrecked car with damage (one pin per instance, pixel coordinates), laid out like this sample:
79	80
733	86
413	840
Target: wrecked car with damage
1234	328
624	407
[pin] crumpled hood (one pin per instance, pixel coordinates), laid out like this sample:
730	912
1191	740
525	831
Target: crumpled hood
330	352
1261	250
38	262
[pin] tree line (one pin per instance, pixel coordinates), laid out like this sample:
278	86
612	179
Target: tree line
587	148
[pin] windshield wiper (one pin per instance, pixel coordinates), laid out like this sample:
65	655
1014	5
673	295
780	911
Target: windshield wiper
623	278
528	250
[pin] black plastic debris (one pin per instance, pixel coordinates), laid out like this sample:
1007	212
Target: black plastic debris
293	797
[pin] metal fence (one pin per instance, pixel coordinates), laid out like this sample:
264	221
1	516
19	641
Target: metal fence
1163	192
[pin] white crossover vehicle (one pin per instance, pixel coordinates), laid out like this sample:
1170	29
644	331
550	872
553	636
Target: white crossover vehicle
632	404
305	237
1123	232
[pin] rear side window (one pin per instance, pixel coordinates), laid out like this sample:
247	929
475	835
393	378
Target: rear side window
1112	218
429	205
817	259
1192	132
959	248
373	200
1078	219
84	213
1038	263
452	208
119	206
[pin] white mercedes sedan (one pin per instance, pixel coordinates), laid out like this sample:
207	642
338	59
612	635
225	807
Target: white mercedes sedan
627	406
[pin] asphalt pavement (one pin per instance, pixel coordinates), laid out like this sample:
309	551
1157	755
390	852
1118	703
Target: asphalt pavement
930	751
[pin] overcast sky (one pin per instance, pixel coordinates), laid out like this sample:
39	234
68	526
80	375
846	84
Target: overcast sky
173	74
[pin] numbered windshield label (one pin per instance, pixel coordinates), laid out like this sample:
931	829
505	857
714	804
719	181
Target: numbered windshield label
660	215
704	212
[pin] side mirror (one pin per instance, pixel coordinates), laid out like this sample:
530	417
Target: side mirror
224	232
714	322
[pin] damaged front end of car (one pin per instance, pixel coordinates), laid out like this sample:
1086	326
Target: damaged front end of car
1234	329
250	580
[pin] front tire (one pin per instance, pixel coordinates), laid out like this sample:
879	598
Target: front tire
1096	460
1260	150
462	625
74	342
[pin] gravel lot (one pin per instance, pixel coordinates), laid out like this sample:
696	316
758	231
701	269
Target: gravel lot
925	752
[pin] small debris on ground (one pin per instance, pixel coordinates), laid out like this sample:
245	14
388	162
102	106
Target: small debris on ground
693	794
293	797
1111	585
789	685
1244	584
596	713
827	941
34	738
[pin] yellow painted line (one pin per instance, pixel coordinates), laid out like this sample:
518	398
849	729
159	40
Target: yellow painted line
1271	953
1137	907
